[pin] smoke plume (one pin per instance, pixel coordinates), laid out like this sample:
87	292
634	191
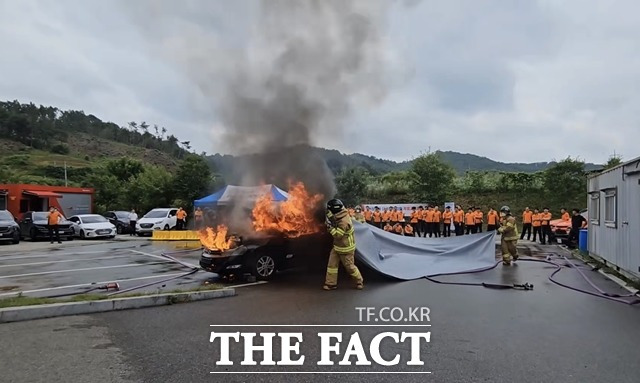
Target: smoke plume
291	81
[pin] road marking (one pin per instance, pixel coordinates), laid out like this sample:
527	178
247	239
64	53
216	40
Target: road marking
90	284
67	260
320	372
319	325
84	269
54	253
187	264
248	284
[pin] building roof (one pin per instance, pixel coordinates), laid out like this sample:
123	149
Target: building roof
622	165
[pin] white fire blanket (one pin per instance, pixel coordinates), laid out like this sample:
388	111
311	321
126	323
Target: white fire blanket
409	258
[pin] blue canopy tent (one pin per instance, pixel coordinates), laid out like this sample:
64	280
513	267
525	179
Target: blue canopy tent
241	194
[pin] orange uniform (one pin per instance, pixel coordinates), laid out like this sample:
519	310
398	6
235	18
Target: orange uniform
447	216
415	216
527	217
470	219
54	218
566	216
386	216
181	214
388	227
536	219
367	215
546	218
437	216
429	216
478	217
458	216
397	228
377	217
399	215
492	218
408	230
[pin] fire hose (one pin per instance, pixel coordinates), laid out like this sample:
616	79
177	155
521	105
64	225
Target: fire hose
526	286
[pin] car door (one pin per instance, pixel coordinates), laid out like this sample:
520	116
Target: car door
111	217
75	225
172	217
25	223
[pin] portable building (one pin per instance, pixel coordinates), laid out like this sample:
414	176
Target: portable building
21	198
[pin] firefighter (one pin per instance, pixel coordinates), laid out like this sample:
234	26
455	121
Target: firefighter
386	215
509	238
358	216
377	218
429	216
492	220
408	230
388	227
393	215
536	223
479	221
470	221
400	215
437	218
397	228
53	222
422	227
527	222
447	217
368	215
181	217
565	215
458	220
415	218
344	246
545	226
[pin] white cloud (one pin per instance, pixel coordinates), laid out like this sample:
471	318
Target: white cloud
514	81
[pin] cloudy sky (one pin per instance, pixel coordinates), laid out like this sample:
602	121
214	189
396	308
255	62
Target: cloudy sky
516	81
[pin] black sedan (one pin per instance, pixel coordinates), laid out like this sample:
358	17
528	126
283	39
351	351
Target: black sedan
263	257
9	228
119	219
34	225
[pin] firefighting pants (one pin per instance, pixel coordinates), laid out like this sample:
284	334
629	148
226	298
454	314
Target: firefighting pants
347	261
509	249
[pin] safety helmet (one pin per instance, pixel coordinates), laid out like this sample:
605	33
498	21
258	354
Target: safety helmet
335	205
358	209
505	209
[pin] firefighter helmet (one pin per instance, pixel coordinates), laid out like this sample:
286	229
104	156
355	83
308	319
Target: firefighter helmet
335	205
505	209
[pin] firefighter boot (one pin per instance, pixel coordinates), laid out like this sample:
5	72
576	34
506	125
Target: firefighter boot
506	259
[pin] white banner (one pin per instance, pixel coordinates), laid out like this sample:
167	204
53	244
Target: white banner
406	207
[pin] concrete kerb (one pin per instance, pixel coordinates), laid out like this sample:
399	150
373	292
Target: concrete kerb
24	313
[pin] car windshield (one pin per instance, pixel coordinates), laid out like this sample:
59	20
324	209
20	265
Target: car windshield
5	216
93	219
156	214
124	215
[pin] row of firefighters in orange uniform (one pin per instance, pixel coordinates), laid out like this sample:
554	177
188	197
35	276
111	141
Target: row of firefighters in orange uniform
430	221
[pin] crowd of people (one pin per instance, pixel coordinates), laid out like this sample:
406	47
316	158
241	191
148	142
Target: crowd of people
431	221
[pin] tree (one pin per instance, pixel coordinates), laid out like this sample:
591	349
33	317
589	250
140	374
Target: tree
352	185
565	182
150	189
432	178
193	179
613	161
124	168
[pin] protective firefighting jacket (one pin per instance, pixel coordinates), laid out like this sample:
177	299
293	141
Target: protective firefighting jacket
342	232
359	217
509	230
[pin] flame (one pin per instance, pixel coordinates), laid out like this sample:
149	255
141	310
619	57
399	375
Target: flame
215	239
293	218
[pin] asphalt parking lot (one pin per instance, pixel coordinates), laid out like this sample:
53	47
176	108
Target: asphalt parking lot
42	269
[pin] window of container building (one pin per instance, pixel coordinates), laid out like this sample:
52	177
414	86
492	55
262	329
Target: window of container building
3	201
610	208
594	208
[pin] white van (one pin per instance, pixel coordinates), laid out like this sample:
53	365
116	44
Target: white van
157	219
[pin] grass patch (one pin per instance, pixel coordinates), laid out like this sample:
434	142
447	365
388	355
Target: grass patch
21	300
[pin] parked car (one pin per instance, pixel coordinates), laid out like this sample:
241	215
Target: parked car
92	226
33	225
119	219
9	228
560	228
263	257
157	219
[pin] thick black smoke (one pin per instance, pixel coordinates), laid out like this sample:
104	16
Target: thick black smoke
277	75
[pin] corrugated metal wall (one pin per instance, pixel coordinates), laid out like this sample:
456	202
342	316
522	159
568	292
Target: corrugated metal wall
617	243
75	203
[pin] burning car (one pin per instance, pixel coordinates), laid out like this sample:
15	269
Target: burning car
560	228
279	234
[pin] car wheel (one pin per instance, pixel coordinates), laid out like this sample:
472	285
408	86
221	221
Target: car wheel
140	234
33	234
16	238
119	229
112	236
166	227
82	235
263	267
70	238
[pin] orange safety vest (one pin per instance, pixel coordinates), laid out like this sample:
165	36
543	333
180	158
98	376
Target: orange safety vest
478	216
470	219
447	215
536	220
527	217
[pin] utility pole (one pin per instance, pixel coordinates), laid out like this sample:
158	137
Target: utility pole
65	173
